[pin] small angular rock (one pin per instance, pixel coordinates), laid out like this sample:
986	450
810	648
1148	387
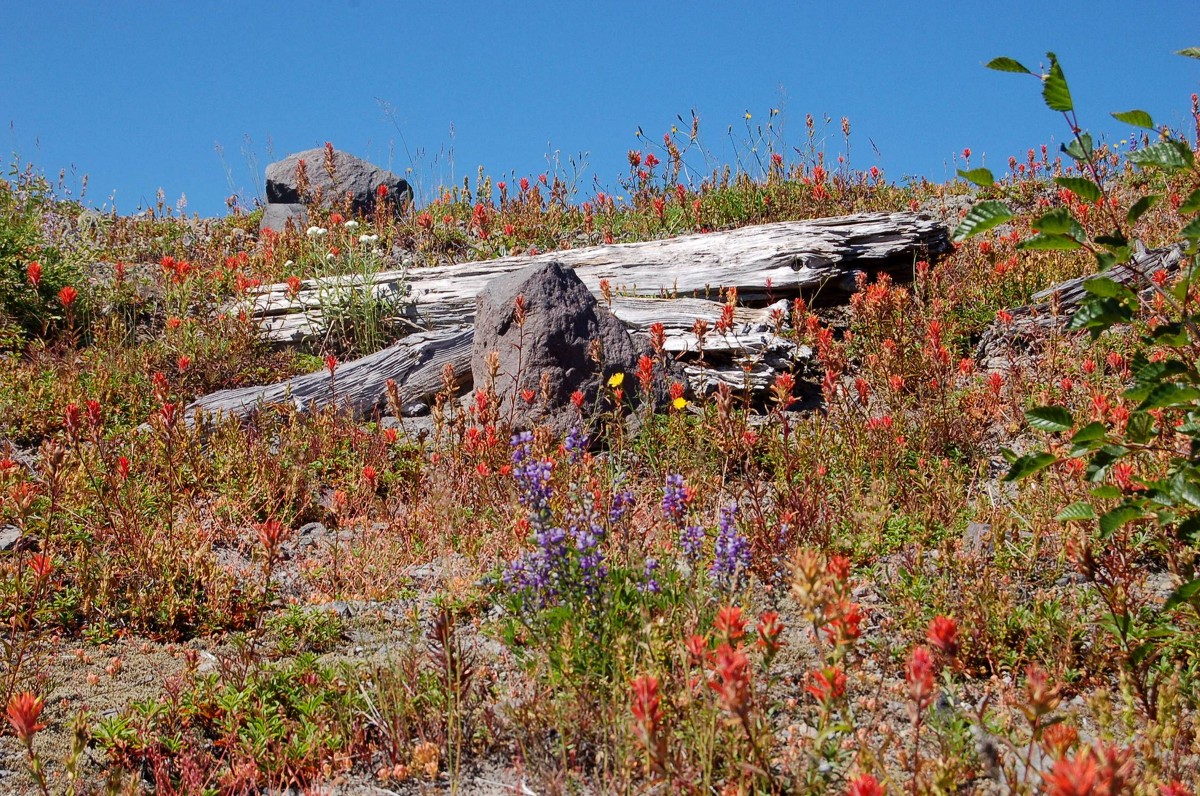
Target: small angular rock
351	176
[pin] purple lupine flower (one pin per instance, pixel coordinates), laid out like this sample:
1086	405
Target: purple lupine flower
588	535
533	483
691	542
522	445
575	444
540	571
515	574
731	554
649	584
532	477
622	502
674	502
551	539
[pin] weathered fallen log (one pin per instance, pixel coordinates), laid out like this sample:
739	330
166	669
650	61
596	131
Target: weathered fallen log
766	262
683	277
416	363
1136	274
678	317
1053	307
755	377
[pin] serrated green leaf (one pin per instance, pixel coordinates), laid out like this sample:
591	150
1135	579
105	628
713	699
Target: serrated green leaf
1136	118
1140	207
1184	490
1139	428
1052	419
1117	517
1168	155
1160	492
1003	64
1105	287
1170	394
1046	242
1058	221
1106	260
1184	594
1054	87
1115	242
1009	455
981	177
1106	492
1027	465
1189	530
1190	52
1088	439
1154	372
1171	334
1077	511
1192	230
1082	187
982	217
1100	314
1192	203
1079	149
1089	433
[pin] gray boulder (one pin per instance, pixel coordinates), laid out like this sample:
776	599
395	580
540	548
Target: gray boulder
553	346
276	216
351	175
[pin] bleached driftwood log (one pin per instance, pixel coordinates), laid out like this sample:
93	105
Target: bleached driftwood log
1136	274
678	317
764	262
674	282
416	363
1053	307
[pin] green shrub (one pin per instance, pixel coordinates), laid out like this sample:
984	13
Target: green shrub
30	302
1143	456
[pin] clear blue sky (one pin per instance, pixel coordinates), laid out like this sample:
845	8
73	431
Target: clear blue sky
139	96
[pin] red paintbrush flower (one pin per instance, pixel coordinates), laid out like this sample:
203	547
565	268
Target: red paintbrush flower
24	709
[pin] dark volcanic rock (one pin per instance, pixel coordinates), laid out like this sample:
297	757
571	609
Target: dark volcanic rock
351	175
551	349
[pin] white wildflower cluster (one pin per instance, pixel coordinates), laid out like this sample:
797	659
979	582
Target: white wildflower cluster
367	238
316	232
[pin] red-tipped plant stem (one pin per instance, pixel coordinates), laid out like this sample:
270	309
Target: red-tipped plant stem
20	635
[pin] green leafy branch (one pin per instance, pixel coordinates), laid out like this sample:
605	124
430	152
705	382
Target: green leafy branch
1165	390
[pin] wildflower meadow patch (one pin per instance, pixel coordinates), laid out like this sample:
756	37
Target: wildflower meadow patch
925	525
